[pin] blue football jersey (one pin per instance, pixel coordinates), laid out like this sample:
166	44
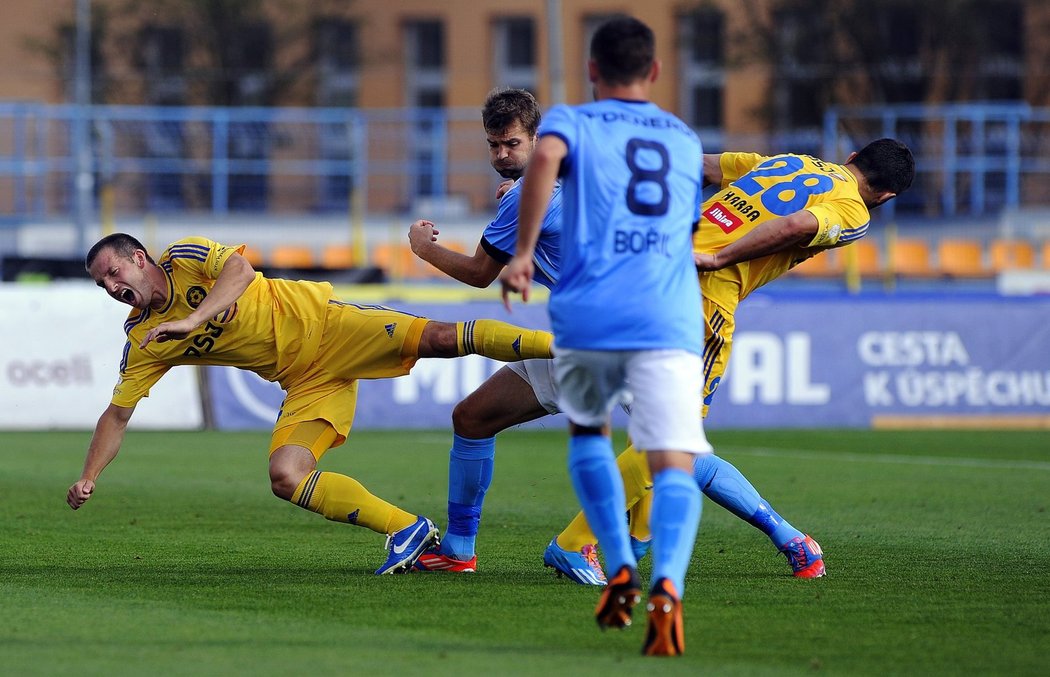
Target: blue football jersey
501	236
631	190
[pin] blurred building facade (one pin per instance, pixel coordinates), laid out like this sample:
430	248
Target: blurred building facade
738	66
757	74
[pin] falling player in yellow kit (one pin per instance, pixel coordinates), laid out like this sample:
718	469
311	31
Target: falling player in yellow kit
202	303
770	214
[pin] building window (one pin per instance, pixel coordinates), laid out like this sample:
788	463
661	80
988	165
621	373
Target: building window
250	63
898	70
797	94
701	56
514	49
338	60
1001	73
426	45
161	60
591	24
69	66
425	88
425	56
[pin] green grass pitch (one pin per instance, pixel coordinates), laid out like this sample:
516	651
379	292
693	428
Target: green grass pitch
937	546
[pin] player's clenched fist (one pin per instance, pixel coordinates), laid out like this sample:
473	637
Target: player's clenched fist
79	493
421	234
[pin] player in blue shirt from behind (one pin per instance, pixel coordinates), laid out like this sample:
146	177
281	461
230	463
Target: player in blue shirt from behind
625	310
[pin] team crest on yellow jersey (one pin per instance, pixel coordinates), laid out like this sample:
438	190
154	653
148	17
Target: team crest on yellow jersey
195	295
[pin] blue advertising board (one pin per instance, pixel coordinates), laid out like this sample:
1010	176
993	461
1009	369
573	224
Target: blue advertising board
862	361
797	361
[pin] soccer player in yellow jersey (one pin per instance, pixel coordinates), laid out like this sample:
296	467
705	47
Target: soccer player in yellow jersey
769	215
202	303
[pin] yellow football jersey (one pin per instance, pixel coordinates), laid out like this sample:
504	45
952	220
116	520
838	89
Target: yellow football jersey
274	328
756	189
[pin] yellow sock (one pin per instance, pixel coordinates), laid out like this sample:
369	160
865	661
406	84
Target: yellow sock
344	499
637	485
502	341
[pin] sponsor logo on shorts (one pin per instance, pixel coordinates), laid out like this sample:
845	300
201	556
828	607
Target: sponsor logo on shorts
390	329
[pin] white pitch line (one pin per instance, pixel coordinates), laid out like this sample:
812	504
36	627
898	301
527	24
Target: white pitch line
891	459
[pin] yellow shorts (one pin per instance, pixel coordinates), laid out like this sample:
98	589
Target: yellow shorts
718	340
357	342
318	436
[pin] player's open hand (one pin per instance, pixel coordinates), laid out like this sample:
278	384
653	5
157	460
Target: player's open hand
420	234
503	187
79	493
169	331
516	277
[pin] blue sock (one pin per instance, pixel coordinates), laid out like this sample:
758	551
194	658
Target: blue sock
469	476
675	518
599	488
725	485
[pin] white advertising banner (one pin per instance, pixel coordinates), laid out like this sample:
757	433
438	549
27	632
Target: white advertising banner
60	351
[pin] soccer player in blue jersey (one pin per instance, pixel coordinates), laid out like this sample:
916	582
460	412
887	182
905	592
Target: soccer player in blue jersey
625	310
521	391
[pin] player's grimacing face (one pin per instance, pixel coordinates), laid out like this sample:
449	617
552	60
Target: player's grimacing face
123	278
509	150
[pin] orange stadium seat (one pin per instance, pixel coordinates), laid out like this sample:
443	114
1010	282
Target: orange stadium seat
254	256
1012	255
910	258
454	245
961	258
865	255
292	256
825	264
399	262
337	256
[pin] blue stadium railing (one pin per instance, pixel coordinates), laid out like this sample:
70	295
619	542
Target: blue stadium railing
973	159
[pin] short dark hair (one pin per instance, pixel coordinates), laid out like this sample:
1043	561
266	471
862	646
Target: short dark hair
887	165
121	243
624	49
504	106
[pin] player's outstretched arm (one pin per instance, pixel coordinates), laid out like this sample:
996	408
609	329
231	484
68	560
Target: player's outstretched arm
768	238
234	278
105	443
478	270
